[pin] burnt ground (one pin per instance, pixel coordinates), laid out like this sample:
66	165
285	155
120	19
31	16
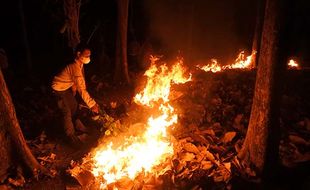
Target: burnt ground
213	111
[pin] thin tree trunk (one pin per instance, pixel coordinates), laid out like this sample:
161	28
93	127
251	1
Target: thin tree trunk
10	126
190	31
121	64
258	31
72	13
25	36
261	145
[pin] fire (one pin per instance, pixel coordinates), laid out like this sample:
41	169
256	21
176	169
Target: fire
159	82
213	67
138	154
292	64
241	62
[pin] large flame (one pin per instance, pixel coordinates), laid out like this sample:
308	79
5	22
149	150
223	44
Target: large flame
159	80
141	153
241	62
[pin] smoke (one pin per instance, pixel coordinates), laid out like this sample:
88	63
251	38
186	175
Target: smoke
201	29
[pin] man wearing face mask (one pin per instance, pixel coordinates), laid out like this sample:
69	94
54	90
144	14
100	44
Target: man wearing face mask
65	84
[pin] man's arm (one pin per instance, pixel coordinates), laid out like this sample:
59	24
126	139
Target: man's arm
79	81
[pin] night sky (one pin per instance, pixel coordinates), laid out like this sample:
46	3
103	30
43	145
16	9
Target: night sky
198	29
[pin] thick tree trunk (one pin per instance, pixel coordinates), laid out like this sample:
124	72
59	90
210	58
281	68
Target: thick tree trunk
121	65
10	128
261	144
258	31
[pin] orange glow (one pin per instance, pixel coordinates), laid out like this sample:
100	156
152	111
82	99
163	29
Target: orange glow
140	153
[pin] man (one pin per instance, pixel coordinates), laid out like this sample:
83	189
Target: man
65	84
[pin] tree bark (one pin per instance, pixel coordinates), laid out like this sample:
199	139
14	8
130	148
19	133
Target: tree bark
258	31
5	153
261	145
72	13
121	64
25	36
10	127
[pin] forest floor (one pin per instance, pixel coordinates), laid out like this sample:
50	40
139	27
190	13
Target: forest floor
213	111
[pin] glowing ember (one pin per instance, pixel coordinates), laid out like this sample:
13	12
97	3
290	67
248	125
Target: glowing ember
137	154
241	62
292	64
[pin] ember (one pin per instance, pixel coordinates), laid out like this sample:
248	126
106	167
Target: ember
292	64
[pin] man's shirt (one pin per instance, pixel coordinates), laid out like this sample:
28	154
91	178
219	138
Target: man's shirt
73	75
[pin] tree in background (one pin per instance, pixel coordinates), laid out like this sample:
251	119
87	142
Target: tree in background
71	25
121	64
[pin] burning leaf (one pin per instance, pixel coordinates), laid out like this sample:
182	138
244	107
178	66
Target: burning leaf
189	147
222	174
227	166
210	157
187	157
199	157
208	132
53	172
206	165
184	174
49	158
17	182
149	187
228	137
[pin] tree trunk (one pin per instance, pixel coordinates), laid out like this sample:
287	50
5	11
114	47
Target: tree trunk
190	23
121	65
261	144
25	36
5	153
10	128
72	13
258	31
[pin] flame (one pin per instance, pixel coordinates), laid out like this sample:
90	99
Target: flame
292	64
213	67
159	82
241	62
142	153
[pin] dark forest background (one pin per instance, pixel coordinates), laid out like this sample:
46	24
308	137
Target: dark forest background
197	29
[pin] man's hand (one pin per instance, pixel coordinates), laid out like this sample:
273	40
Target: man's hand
95	108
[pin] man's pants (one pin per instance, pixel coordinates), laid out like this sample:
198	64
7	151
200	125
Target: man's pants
67	104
